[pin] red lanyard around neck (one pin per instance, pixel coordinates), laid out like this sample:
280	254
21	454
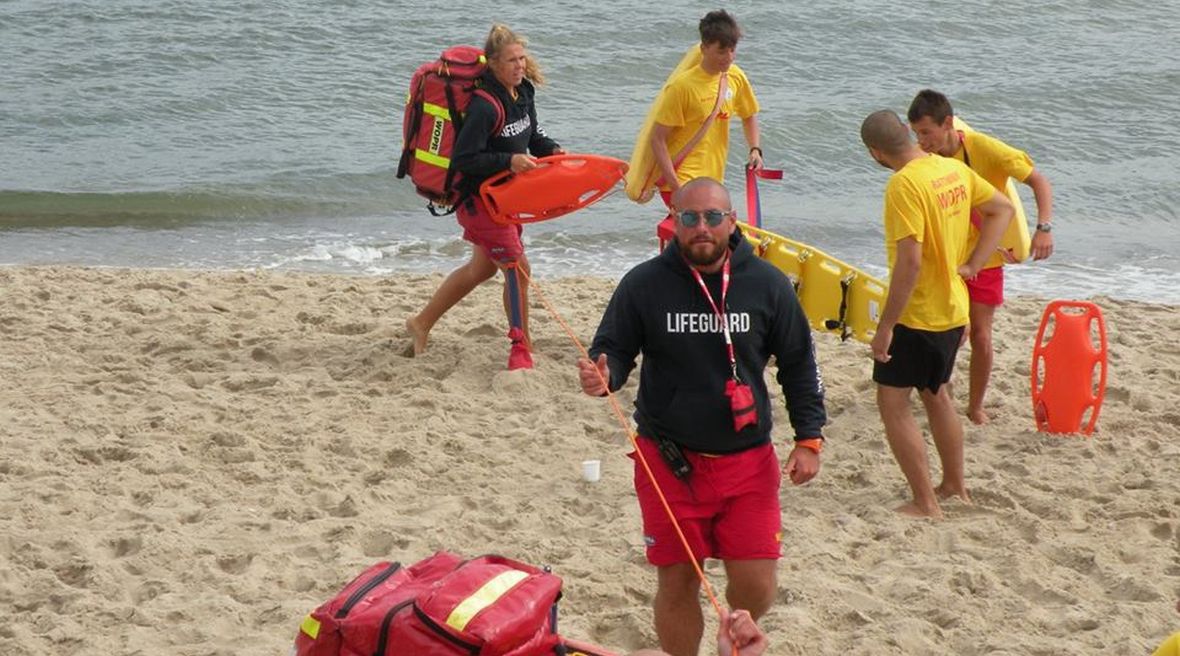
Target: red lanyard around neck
718	310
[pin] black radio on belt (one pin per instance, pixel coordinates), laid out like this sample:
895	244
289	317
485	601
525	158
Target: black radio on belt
674	458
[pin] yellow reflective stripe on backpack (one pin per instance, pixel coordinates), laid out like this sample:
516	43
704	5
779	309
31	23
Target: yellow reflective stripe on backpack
485	596
310	626
431	158
436	110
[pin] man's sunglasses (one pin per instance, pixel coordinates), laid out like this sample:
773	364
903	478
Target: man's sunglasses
713	218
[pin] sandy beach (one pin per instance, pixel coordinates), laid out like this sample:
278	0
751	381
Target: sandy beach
192	461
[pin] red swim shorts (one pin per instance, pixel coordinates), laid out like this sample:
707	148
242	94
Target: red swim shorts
666	230
728	508
501	242
987	287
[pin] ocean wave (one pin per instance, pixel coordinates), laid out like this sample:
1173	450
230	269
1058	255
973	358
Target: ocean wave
284	198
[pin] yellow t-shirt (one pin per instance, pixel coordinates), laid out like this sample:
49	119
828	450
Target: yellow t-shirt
995	161
1170	647
685	104
930	199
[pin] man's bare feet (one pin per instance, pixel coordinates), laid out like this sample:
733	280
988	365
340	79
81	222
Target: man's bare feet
945	491
977	416
912	509
418	338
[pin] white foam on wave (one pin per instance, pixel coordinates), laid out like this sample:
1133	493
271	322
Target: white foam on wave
1131	281
612	255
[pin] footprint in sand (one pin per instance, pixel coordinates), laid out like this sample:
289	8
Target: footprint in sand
123	547
227	439
1080	560
989	499
1162	531
408	350
346	508
97	456
312	319
1129	589
249	383
378	544
148	591
75	573
627	629
1039	595
235	564
1118	394
484	330
350	328
260	354
398	458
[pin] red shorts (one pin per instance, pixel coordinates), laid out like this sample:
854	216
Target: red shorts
987	287
666	230
501	242
728	508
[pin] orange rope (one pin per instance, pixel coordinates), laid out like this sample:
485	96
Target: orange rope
622	417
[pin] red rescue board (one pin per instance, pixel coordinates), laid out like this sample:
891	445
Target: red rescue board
1063	367
559	185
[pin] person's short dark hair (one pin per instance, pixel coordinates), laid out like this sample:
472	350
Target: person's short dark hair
930	103
884	131
720	27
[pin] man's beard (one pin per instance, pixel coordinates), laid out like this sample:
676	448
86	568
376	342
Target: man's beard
706	257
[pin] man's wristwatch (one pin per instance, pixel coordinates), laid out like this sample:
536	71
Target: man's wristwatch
1047	226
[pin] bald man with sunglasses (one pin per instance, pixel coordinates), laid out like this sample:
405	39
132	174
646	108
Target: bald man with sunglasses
707	316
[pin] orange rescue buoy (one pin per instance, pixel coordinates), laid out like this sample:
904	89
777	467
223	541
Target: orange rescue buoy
559	185
1063	367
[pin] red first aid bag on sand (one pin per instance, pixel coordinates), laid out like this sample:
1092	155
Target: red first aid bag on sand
444	605
440	92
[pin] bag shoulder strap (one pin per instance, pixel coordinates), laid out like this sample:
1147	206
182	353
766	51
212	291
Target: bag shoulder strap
963	143
722	89
495	102
412	122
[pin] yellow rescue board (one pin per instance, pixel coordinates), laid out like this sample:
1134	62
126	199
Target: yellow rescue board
1016	239
643	170
836	297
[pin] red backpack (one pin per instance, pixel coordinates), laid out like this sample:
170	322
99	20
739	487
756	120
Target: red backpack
443	605
440	91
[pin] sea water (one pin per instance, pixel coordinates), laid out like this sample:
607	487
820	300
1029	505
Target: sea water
266	134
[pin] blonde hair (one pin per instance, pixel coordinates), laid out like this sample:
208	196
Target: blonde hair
500	36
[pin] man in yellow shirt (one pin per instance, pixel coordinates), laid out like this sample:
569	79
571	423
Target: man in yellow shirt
928	202
687	102
932	120
1171	646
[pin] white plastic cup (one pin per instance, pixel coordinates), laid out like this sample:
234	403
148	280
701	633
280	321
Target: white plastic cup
591	470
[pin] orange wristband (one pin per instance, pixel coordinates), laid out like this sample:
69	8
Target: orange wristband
814	443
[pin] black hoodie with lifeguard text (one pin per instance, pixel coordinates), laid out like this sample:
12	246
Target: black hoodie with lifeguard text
659	310
480	154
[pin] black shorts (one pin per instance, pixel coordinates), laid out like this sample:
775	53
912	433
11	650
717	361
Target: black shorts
920	358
